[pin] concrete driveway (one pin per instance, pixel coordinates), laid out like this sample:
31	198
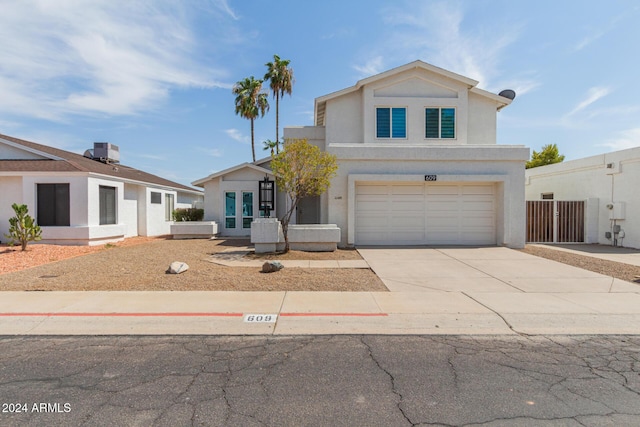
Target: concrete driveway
482	269
532	295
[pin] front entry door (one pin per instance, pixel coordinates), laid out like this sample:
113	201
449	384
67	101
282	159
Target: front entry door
308	210
239	211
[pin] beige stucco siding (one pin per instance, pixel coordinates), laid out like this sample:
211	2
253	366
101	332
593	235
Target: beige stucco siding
482	120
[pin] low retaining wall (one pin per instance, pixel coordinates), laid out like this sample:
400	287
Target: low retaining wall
194	229
314	237
267	236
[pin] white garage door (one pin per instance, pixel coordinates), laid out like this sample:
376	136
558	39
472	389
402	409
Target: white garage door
425	214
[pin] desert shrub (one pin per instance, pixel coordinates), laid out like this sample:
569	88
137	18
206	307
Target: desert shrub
23	228
188	214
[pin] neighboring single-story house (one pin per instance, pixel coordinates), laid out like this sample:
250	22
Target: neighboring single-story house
608	183
418	165
86	200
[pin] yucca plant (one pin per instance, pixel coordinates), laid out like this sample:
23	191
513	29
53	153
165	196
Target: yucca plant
22	228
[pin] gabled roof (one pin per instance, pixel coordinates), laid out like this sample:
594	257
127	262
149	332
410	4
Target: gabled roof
320	102
57	160
253	166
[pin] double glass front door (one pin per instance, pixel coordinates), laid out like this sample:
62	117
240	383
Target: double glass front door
238	212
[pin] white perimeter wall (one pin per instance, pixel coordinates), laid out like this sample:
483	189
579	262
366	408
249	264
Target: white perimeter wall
590	178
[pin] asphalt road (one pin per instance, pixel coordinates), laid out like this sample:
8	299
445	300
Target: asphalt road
320	380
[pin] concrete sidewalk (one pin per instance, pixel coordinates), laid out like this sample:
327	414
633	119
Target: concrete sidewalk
433	291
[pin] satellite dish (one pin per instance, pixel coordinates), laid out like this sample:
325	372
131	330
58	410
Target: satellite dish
508	93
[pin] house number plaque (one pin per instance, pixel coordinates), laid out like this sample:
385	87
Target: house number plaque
431	177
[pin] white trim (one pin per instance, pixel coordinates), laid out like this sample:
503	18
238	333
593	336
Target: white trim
31	150
201	181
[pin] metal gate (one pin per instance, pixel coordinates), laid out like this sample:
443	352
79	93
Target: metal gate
555	221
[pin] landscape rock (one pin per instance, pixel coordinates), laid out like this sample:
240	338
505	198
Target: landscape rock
177	267
271	266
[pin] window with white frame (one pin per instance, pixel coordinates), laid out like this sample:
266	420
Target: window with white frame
391	122
107	205
440	123
53	205
169	206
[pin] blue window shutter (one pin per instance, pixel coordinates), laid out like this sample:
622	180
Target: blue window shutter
448	123
383	122
432	123
399	122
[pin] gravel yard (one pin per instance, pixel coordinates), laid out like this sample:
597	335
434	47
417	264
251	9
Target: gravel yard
140	266
627	272
140	263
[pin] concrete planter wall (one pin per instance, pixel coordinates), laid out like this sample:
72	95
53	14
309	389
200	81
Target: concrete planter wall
267	236
314	237
194	229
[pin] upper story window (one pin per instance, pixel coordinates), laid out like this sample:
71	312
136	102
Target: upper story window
440	123
391	122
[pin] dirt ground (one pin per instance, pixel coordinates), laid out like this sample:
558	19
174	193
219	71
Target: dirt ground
627	272
141	266
140	263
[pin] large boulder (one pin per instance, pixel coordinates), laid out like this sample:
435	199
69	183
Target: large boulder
271	266
177	267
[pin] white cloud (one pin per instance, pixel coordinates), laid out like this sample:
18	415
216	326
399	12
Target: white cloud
589	39
213	152
224	6
434	32
593	94
520	86
236	135
110	57
372	67
626	139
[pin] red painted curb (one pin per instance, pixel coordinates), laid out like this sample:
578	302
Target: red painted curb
333	314
62	314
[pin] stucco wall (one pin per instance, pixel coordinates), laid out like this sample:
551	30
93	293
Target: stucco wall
482	120
590	178
344	118
10	193
129	211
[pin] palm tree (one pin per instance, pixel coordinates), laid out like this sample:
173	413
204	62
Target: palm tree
250	102
280	78
269	144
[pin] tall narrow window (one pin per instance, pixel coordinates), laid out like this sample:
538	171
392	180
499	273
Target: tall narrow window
230	209
169	206
247	209
107	205
391	122
440	123
53	205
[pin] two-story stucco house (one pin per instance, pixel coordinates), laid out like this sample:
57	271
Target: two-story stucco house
85	200
418	165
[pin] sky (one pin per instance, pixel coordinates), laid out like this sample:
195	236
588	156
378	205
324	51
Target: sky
155	76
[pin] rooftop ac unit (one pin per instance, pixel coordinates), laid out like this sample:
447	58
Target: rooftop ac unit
106	152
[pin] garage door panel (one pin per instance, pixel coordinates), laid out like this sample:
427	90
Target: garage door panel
442	189
429	213
478	189
400	207
442	206
407	189
372	189
478	206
